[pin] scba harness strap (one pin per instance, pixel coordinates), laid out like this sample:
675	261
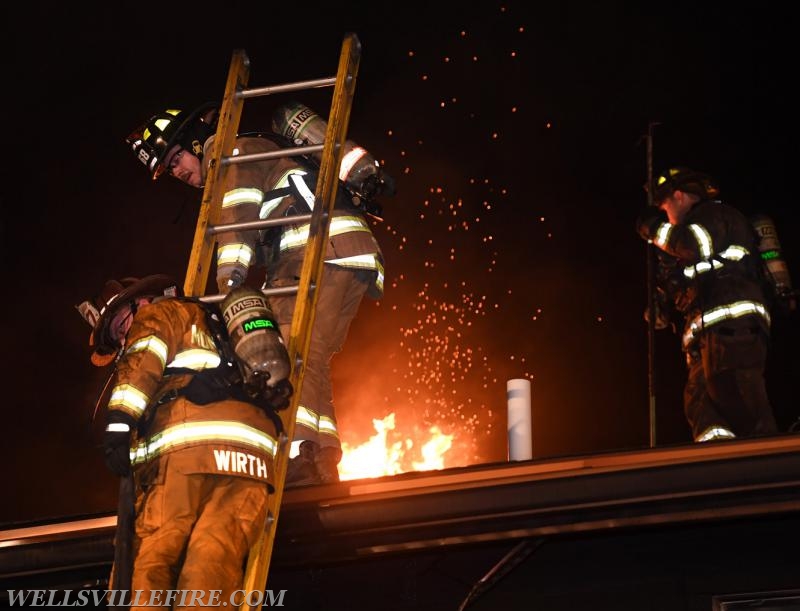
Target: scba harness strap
225	380
344	196
301	188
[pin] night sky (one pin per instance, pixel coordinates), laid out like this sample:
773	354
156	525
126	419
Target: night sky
515	137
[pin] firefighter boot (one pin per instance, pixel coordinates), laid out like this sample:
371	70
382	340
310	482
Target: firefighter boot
301	470
327	460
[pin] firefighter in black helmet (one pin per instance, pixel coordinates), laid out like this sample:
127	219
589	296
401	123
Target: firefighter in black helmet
708	273
169	133
178	142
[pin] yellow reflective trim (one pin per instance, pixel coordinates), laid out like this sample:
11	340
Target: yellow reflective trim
715	432
662	234
234	197
232	254
380	279
343	224
362	262
320	424
129	399
703	240
724	312
197	359
307	418
734	310
283	181
152	344
692	270
292	238
734	252
219	431
269	205
328	427
349	160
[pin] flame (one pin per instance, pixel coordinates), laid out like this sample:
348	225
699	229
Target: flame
381	456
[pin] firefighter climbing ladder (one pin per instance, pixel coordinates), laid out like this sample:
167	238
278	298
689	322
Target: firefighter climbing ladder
305	309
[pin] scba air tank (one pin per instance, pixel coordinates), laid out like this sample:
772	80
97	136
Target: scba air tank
359	170
770	249
255	337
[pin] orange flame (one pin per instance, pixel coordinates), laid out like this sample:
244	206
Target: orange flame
379	456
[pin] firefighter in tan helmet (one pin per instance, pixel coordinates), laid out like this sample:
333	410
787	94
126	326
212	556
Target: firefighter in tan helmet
709	274
199	448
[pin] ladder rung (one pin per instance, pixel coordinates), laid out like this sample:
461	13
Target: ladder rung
287	152
259	91
281	290
284	220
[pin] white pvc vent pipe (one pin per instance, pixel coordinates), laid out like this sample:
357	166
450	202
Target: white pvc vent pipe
520	431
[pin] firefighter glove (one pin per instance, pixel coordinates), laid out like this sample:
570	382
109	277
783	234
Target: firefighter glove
229	277
117	444
662	319
648	222
662	309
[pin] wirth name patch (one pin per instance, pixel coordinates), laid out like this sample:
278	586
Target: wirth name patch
231	461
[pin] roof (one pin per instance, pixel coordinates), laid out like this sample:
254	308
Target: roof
415	511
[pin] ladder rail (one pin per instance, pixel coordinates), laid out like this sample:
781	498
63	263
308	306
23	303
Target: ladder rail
211	204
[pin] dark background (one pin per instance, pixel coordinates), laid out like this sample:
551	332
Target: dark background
515	136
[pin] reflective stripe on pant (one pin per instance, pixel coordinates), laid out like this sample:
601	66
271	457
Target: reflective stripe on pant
193	532
340	296
726	388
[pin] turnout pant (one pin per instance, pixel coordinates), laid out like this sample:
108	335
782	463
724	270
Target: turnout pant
725	387
339	298
193	532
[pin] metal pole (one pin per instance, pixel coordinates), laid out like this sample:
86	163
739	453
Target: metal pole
123	543
651	300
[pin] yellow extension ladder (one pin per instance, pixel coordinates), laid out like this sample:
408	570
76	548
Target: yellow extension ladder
203	247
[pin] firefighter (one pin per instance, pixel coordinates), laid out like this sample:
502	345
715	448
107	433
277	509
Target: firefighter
709	272
200	451
178	143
